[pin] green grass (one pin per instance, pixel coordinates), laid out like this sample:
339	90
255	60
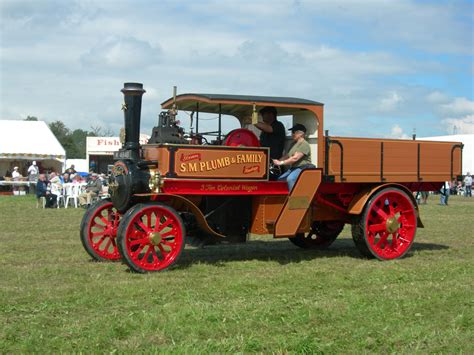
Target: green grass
263	296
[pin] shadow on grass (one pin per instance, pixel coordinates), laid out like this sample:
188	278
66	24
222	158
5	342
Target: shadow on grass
282	252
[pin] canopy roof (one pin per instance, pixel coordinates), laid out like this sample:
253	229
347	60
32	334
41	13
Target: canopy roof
32	140
237	105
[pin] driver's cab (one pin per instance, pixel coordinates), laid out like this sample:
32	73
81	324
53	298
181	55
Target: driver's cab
306	118
228	120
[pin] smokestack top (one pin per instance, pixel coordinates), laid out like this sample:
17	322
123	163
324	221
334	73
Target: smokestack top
133	89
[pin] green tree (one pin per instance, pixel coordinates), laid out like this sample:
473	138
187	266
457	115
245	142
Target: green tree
63	135
74	142
78	137
60	130
31	118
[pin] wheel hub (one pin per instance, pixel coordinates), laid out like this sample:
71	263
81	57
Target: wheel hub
155	238
392	224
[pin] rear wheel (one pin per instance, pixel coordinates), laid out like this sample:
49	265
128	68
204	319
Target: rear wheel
151	237
321	235
99	231
387	227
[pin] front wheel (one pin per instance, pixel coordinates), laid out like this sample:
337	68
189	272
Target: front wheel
321	235
151	237
387	227
99	231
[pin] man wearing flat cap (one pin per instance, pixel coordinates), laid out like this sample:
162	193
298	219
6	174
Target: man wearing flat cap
93	189
298	157
273	132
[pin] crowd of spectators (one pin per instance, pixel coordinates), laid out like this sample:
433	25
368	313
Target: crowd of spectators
51	186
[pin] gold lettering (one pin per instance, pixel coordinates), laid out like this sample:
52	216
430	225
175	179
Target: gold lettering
193	167
213	164
182	167
202	165
227	161
249	188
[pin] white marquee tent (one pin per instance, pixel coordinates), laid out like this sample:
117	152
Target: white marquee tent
24	141
467	152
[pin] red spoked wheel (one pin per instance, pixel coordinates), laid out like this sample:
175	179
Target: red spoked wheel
387	227
99	231
321	235
151	237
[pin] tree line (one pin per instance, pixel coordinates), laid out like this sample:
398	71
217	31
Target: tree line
74	141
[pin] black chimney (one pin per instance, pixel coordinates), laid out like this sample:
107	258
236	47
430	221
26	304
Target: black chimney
132	93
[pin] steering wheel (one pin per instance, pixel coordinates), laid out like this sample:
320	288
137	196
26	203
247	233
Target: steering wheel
274	170
196	139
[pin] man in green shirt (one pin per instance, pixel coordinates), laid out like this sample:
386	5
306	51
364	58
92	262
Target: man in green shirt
298	158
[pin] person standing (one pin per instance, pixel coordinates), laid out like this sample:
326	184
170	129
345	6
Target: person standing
15	174
71	170
468	185
33	172
15	177
272	132
445	190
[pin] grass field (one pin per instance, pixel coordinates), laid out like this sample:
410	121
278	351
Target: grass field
263	296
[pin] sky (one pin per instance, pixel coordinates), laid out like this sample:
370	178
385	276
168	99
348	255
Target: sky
383	68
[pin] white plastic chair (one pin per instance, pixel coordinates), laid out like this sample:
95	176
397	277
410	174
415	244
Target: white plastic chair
104	193
41	200
60	193
72	193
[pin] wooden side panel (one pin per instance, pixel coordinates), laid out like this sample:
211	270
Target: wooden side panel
298	203
361	159
160	154
220	162
400	161
391	160
436	161
457	161
265	211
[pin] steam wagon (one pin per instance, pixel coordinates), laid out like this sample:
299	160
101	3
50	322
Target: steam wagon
201	186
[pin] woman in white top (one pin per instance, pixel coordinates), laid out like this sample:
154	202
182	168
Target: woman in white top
16	174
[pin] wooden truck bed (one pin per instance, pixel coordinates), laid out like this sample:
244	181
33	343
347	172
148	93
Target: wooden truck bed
391	160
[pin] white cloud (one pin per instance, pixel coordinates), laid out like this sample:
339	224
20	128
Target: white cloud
415	24
463	125
122	53
360	66
390	102
397	132
456	114
437	97
459	106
